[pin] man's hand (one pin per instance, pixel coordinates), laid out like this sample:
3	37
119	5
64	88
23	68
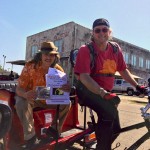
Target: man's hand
141	89
112	97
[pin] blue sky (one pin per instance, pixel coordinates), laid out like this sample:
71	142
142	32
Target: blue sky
129	19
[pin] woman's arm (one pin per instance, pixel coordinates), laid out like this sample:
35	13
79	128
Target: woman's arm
28	95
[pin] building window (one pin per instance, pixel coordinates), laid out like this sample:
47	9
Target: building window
140	62
82	43
59	44
34	49
147	64
126	57
133	60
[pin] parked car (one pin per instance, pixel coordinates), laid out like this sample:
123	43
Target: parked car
120	85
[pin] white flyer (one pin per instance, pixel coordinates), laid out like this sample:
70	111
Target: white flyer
55	79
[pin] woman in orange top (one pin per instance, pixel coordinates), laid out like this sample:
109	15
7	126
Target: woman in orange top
33	75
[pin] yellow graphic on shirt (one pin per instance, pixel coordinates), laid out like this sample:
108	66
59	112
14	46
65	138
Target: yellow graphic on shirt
109	66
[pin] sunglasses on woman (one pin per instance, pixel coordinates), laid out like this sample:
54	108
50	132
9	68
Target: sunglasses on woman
104	30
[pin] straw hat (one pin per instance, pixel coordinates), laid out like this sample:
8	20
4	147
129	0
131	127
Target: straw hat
48	47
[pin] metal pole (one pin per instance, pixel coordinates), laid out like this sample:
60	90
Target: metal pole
4	62
11	67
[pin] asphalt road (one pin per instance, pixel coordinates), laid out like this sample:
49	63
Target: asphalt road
129	111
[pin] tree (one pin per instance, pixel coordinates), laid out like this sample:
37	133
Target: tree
1	68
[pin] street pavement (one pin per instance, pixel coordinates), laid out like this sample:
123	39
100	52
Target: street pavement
129	111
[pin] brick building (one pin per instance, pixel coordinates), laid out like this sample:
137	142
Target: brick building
72	35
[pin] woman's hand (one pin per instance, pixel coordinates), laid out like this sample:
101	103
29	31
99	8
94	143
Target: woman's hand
30	95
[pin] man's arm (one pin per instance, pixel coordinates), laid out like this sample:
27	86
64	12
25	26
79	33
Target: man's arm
95	88
91	84
20	92
126	75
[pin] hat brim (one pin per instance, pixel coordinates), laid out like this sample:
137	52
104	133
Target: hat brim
52	52
48	52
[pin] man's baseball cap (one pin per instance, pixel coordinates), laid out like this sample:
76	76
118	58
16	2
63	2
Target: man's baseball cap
101	21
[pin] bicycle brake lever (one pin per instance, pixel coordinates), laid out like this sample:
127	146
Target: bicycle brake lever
144	110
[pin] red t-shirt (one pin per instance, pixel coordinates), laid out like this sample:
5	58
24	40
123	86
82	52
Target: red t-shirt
107	62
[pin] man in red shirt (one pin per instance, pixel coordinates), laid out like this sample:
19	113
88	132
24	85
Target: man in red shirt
94	84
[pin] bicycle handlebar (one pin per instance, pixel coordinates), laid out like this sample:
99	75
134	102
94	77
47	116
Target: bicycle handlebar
147	107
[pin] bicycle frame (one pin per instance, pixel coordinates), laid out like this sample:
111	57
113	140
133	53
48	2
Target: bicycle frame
146	123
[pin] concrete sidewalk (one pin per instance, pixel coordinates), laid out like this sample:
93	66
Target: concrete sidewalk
129	111
130	114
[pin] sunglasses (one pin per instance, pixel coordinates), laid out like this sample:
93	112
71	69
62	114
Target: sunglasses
104	30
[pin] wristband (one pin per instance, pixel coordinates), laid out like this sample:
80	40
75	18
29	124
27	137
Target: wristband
102	92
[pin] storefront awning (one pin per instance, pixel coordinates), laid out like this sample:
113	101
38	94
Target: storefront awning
17	62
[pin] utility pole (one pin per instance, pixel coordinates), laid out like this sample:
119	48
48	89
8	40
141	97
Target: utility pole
4	63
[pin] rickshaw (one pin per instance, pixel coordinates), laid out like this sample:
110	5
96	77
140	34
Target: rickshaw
12	135
73	131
